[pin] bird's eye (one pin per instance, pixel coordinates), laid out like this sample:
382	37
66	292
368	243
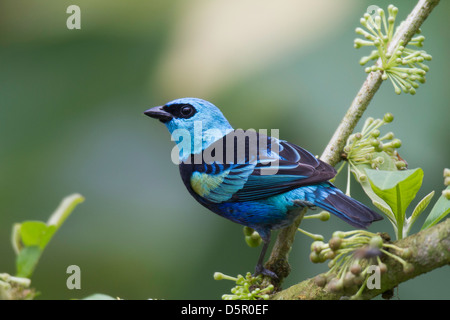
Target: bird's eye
186	111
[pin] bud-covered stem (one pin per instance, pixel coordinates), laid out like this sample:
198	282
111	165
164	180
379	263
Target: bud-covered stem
428	249
332	153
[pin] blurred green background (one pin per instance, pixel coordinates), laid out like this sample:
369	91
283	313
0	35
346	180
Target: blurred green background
71	104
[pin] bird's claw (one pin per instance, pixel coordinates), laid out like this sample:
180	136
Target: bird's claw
265	272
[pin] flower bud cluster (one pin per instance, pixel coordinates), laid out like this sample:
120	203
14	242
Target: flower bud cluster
350	256
403	66
247	288
371	148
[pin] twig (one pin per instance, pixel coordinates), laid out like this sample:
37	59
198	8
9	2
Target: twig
332	152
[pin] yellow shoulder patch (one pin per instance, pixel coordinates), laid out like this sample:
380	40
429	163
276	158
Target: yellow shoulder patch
203	183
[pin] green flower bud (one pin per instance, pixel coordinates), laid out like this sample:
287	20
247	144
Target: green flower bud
375	133
408	268
397	143
446	172
368	121
379	160
339	234
400	164
355	269
317	246
383	267
331	263
388	136
358	280
320	280
388	117
376	242
324	216
447	181
348	280
379	147
446	193
329	255
362	178
314	257
406	253
374	142
335	243
253	241
335	285
218	275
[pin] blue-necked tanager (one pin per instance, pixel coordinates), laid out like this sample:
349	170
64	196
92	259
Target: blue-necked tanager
251	178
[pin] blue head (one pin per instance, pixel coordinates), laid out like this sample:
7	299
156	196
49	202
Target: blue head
193	123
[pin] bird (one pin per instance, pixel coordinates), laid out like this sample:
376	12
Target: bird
248	177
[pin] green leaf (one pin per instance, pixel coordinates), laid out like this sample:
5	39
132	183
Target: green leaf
36	233
397	189
27	260
421	206
440	209
386	210
30	238
64	209
368	190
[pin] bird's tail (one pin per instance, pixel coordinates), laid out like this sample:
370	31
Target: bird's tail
348	209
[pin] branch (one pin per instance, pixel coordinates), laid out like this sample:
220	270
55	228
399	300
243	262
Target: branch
430	248
278	261
405	32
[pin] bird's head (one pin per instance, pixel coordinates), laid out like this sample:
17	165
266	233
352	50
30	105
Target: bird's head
192	120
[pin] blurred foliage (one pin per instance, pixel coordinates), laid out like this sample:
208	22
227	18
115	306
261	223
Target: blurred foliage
71	104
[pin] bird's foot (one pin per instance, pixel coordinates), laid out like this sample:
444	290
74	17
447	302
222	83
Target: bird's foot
265	272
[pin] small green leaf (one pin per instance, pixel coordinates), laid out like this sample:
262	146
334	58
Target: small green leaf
386	210
16	239
440	209
36	233
30	238
421	206
64	209
368	189
397	189
27	260
385	180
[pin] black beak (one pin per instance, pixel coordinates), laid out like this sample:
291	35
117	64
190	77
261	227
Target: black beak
159	113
